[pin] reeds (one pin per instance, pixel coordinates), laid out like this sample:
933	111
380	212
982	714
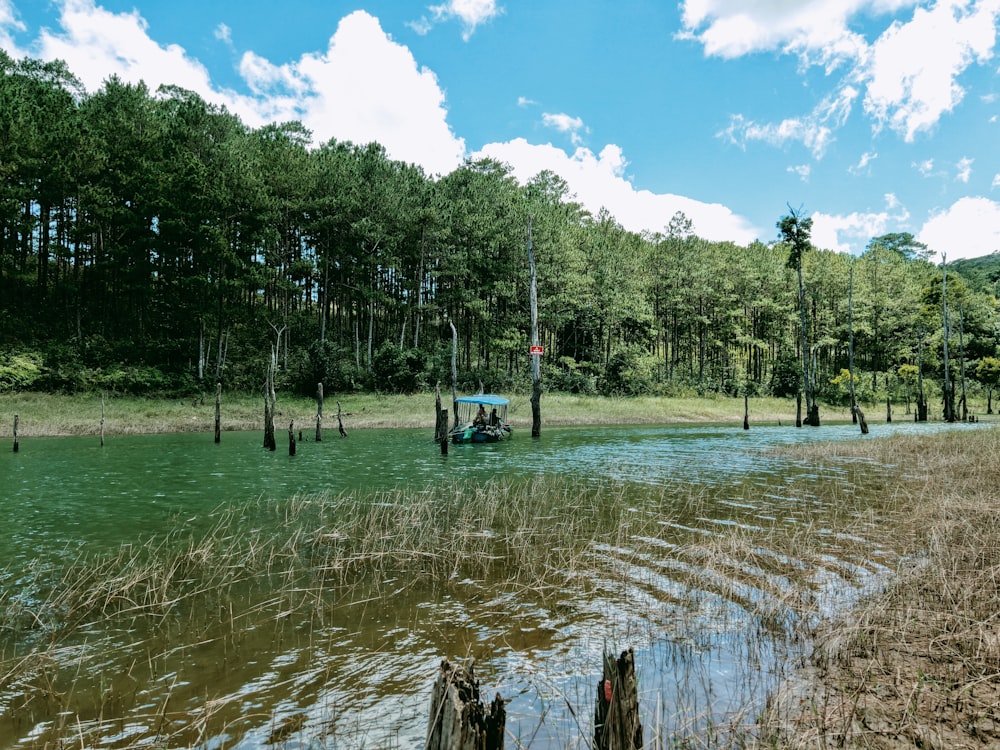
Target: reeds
917	662
150	643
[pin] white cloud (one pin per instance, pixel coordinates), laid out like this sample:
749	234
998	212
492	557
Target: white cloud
866	159
97	44
802	170
852	232
811	28
599	181
523	101
471	13
364	88
996	181
964	167
909	74
814	131
565	124
224	34
913	68
925	167
968	229
9	20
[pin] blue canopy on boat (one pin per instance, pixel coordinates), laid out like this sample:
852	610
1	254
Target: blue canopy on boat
487	399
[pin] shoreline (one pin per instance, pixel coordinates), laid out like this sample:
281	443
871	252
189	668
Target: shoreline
61	415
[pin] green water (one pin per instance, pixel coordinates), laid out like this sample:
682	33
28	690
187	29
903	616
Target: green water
359	669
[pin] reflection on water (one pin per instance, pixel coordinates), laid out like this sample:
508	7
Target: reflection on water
357	669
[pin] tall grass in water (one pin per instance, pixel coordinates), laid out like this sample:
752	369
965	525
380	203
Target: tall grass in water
918	662
155	643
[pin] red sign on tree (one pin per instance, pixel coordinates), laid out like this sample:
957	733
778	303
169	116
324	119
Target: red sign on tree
536	350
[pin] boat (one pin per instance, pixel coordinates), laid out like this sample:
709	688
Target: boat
481	419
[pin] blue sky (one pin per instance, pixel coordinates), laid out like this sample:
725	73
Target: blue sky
873	116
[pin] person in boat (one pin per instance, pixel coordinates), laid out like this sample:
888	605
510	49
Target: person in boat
480	420
494	418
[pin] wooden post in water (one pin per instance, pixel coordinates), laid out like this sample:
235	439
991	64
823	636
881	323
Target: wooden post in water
798	409
888	410
218	412
102	420
319	412
459	720
17	419
291	438
440	422
746	411
340	421
616	717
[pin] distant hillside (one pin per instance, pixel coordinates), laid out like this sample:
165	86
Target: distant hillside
982	273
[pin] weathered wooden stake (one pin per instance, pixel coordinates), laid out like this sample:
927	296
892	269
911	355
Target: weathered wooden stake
102	420
340	421
888	410
746	412
291	438
798	409
440	422
459	720
616	717
17	420
319	412
218	412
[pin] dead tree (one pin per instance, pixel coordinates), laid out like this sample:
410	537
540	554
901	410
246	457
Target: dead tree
440	422
218	412
340	421
536	376
856	414
291	438
459	720
319	412
17	420
616	716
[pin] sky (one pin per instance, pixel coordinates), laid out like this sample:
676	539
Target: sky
869	116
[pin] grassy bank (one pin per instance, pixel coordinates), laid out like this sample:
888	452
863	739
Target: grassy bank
916	664
60	414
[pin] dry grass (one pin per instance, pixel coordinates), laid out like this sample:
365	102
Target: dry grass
60	414
917	664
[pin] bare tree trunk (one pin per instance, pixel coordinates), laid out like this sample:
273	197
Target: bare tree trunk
102	420
616	716
454	372
218	412
856	414
458	718
17	421
291	438
949	394
536	376
319	412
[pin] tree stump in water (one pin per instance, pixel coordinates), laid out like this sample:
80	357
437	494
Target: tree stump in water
17	420
459	720
616	717
291	438
218	412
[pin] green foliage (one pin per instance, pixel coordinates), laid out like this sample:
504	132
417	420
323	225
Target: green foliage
20	371
569	376
786	377
629	373
396	370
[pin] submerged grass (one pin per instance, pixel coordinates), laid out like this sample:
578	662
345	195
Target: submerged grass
893	569
916	663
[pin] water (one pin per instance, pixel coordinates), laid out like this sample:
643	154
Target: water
360	676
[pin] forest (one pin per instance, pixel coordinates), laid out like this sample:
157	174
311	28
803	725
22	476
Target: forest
151	243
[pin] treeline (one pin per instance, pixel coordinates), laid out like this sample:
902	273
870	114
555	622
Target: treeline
151	242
